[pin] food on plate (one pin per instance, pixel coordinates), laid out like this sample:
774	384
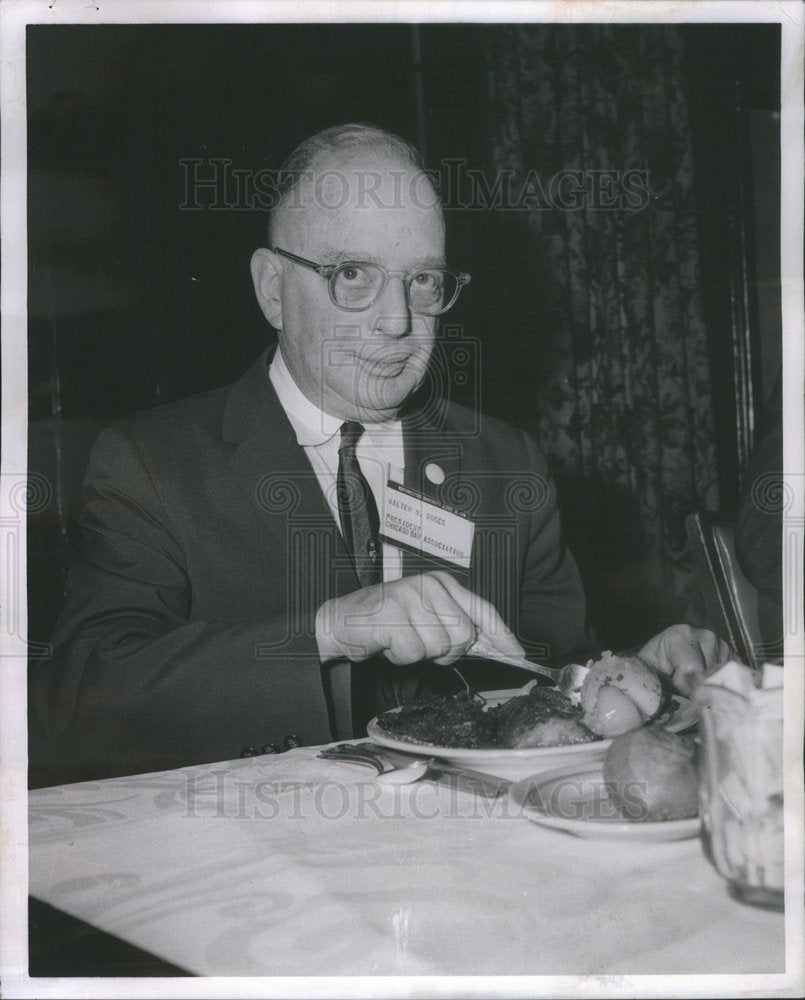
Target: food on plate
441	721
651	775
543	717
619	694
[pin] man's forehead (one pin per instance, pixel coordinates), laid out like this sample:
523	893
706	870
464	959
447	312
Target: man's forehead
361	208
365	185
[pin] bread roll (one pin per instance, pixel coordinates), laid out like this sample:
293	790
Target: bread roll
651	775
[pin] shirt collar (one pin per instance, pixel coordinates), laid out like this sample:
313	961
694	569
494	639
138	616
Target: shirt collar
313	427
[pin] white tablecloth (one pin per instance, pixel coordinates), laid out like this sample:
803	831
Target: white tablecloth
294	866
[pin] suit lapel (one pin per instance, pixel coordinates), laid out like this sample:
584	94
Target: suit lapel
271	466
276	475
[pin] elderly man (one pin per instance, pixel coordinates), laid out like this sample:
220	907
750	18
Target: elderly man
275	561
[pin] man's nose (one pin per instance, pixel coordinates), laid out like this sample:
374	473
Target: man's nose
394	316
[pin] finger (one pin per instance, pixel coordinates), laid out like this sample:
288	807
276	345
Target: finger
458	628
488	624
440	595
404	646
502	638
416	626
716	651
709	653
685	681
688	663
461	634
725	653
683	651
670	648
437	642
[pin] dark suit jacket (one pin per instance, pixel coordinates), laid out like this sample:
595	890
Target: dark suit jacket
207	548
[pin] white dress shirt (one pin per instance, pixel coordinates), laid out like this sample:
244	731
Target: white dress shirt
379	451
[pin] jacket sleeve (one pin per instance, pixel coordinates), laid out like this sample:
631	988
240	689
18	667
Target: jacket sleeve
135	682
553	615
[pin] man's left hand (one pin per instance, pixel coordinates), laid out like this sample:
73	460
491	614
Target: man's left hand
686	655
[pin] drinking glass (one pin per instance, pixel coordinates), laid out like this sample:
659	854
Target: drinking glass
741	789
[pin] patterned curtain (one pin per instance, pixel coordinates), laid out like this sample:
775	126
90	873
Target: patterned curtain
591	122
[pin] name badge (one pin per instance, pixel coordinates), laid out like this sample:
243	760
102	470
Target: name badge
418	523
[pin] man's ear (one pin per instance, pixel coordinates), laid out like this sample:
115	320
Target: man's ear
267	278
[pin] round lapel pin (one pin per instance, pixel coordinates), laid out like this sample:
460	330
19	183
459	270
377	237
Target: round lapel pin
434	473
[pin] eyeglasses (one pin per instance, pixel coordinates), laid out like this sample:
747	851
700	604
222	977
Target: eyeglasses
356	285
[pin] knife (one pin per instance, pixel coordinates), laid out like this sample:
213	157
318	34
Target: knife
464	779
442	772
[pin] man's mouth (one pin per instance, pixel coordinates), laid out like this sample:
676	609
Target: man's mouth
386	365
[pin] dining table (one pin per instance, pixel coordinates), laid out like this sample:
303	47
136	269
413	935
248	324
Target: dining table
290	865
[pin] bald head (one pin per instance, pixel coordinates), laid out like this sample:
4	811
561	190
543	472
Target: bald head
346	167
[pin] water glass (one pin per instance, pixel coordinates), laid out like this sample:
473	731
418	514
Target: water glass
741	789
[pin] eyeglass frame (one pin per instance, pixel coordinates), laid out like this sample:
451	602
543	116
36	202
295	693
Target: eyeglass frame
326	271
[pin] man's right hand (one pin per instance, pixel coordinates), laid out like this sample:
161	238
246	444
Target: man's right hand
429	616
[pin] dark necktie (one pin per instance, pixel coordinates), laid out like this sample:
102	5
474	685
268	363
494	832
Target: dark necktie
359	524
357	509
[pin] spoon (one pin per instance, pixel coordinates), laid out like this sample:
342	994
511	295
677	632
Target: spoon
406	774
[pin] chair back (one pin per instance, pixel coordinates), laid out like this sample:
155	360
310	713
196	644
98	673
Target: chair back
731	601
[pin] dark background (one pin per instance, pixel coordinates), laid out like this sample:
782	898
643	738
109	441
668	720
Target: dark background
134	301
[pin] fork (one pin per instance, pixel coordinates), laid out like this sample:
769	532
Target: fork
359	753
481	648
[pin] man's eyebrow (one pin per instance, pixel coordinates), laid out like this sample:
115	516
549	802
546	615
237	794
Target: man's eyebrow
331	255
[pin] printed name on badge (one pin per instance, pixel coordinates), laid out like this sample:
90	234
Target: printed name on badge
418	523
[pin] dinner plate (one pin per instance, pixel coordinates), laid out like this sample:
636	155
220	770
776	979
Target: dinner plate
515	763
574	799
